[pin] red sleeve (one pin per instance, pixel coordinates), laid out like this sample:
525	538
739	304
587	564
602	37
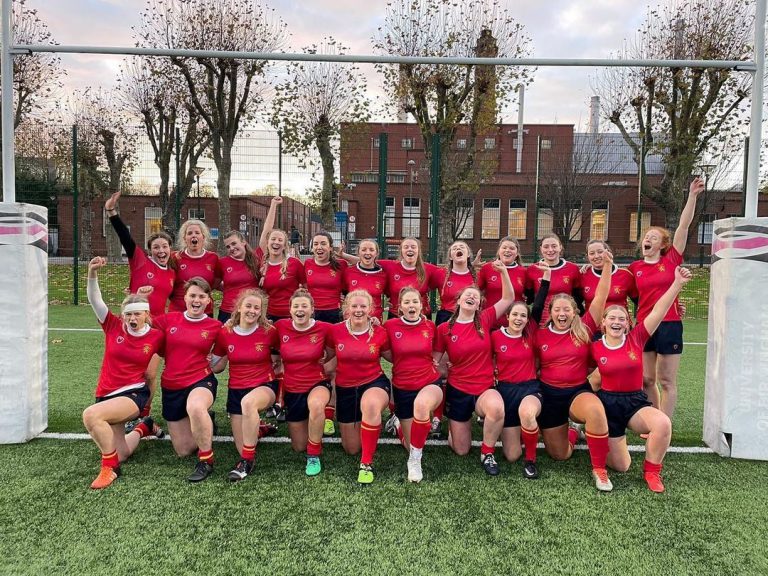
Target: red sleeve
274	339
481	279
436	276
301	275
675	258
220	346
439	344
639	335
160	322
488	318
589	322
110	322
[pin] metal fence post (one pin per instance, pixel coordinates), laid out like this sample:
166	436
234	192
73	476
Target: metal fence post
280	178
382	221
434	198
75	227
177	194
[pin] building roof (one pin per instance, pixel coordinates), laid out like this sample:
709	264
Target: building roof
610	154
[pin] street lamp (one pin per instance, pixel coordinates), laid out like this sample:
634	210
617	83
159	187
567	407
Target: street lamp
411	164
198	170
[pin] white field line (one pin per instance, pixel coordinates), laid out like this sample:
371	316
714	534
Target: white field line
393	441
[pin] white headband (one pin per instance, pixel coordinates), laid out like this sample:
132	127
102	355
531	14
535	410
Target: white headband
136	307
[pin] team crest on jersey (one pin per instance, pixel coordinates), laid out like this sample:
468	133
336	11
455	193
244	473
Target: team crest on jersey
120	340
398	334
566	279
208	267
449	283
504	348
259	347
173	330
373	349
454	338
639	273
426	334
313	339
603	360
333	273
285	338
146	349
397	276
231	348
183	266
309	272
378	285
150	275
587	289
617	290
204	334
494	278
525	345
354	282
545	348
632	356
340	347
229	269
662	268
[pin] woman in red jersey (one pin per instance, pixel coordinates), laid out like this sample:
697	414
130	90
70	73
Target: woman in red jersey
489	281
619	359
281	275
466	340
622	280
410	270
562	347
565	275
129	344
302	342
517	381
325	278
193	260
653	275
416	382
457	274
188	385
246	343
238	270
362	389
366	274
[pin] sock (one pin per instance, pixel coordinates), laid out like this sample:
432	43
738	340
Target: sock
145	412
280	389
400	436
439	410
650	467
330	412
485	449
142	429
391	407
369	438
314	448
205	456
111	460
419	433
249	452
573	436
530	439
598	449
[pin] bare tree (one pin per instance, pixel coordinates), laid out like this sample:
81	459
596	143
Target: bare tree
680	113
442	98
309	108
225	92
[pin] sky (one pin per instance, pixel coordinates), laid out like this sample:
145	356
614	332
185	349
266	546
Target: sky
557	28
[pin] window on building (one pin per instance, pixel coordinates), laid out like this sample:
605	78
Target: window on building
465	219
704	233
411	217
545	221
491	219
461	144
546	144
375	142
406	143
517	218
645	223
153	220
195	214
389	217
395	177
489	143
598	222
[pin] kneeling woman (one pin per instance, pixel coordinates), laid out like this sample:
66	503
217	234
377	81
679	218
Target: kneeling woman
619	358
466	339
245	343
122	392
415	379
362	389
188	385
302	342
562	347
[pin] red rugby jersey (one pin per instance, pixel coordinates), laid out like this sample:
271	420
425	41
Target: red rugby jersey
515	355
411	345
235	277
450	289
302	353
489	282
372	281
126	357
187	345
249	355
566	277
147	272
622	286
564	361
471	369
357	356
205	266
621	368
325	284
280	287
653	280
399	277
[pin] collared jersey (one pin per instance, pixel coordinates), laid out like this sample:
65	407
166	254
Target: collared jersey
187	345
204	266
564	361
399	277
515	355
411	345
235	277
249	355
325	284
451	286
147	272
302	352
489	282
372	281
357	355
653	280
621	368
622	286
566	277
280	285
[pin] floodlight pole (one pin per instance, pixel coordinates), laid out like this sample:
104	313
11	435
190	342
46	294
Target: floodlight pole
6	60
756	117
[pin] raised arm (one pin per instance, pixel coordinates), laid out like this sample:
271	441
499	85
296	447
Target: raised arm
603	288
652	321
93	290
686	216
507	291
110	207
269	223
537	310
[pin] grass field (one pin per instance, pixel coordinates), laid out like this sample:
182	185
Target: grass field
712	519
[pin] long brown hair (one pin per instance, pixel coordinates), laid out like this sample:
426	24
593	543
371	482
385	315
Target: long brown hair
283	265
332	256
262	320
421	272
516	242
449	264
250	258
475	318
162	235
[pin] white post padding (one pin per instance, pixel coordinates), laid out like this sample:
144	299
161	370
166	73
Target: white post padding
23	322
736	392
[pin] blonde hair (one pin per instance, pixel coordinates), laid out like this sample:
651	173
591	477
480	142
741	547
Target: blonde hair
345	308
622	309
283	265
262	320
578	330
182	243
421	272
135	299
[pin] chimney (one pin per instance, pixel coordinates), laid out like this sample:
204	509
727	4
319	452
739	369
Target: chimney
594	115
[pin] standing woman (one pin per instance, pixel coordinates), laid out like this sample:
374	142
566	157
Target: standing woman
302	341
238	270
193	260
281	275
562	347
618	357
325	278
457	274
466	340
566	276
416	383
362	389
129	345
622	280
410	270
246	343
489	281
188	385
653	275
367	274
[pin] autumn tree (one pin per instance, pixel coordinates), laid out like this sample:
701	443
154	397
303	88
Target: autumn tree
226	92
443	97
309	108
683	114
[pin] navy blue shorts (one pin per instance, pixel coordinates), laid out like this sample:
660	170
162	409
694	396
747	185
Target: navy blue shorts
668	338
175	401
140	396
295	403
330	316
513	395
620	407
223	316
348	400
556	403
459	405
442	316
404	399
235	396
